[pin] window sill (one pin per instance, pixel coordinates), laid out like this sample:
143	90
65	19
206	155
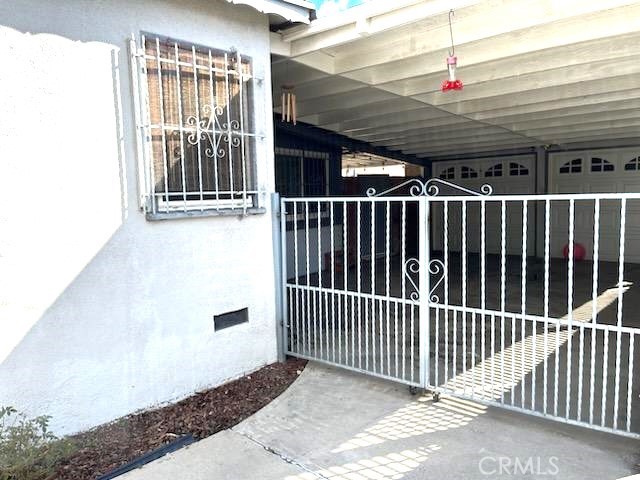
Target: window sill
228	212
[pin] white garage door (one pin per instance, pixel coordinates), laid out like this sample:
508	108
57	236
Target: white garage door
507	175
597	171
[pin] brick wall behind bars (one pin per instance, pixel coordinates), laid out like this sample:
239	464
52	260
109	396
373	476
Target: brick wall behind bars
102	312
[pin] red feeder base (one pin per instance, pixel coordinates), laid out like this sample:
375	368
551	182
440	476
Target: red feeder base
451	85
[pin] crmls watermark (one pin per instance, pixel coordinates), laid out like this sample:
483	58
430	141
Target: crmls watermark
512	466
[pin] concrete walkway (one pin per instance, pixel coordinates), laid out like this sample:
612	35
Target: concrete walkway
332	424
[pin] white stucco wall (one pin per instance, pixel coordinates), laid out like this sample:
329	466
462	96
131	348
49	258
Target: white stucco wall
102	312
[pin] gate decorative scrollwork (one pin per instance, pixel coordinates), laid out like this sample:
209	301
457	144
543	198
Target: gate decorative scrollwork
430	188
435	267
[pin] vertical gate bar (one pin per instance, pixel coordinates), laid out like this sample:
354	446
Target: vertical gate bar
503	287
570	306
326	323
547	211
395	329
493	356
513	359
320	316
403	274
446	299
314	296
580	372
197	108
630	379
285	294
623	211
387	273
423	314
413	360
605	377
359	278
333	281
446	346
296	271
436	347
345	285
523	300
353	331
373	285
308	290
483	291
464	296
594	303
381	336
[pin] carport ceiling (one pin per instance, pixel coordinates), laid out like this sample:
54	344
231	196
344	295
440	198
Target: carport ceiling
535	72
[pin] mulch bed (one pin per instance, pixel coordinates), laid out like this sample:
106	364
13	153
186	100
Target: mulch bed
115	444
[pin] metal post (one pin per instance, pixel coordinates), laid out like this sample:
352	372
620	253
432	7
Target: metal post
423	286
278	221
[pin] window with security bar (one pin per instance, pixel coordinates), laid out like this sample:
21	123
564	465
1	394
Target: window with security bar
197	127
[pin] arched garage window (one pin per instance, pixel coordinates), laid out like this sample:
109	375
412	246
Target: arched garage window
448	174
495	171
517	169
633	164
468	172
573	166
601	165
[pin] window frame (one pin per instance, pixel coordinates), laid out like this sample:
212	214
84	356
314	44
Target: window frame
245	197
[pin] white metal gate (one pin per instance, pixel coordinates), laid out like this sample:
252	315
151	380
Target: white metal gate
399	285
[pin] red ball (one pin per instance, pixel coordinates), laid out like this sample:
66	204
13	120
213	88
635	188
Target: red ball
579	252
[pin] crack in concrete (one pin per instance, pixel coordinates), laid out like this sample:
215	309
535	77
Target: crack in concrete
283	457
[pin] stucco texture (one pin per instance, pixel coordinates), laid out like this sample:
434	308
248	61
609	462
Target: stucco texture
103	312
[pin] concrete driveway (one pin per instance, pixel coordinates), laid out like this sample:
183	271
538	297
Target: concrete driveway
333	424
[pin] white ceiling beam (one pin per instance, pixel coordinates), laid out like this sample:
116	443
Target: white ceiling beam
368	20
422	128
628	138
340	101
401	118
538	66
558	117
572	75
547	94
294	73
613	107
319	88
609	117
429	134
583	129
564	136
477	151
460	141
532	26
479	147
394	106
598	99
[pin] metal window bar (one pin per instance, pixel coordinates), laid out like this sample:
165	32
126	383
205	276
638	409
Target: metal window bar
193	113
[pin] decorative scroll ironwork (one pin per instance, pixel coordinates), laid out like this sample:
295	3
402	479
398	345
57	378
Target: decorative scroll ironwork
435	267
209	128
412	266
430	188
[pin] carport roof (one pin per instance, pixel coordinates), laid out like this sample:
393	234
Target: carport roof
535	72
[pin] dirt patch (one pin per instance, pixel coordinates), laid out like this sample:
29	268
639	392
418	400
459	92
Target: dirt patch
205	413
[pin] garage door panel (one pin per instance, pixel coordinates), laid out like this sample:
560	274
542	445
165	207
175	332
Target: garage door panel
505	184
594	178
